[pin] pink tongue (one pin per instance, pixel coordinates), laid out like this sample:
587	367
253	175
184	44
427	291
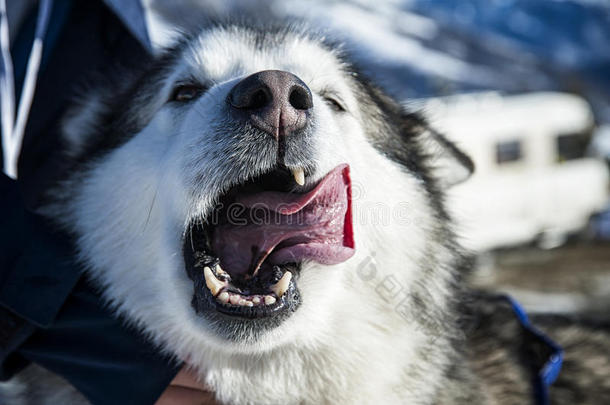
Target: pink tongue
283	228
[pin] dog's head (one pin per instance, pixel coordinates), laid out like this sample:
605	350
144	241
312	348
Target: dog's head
232	195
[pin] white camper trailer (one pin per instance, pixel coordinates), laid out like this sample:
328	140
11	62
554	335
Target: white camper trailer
532	180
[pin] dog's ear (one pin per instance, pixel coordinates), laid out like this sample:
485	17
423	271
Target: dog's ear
448	165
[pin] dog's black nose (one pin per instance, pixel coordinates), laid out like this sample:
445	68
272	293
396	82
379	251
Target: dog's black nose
274	101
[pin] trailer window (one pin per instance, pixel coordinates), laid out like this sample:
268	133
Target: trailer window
571	146
508	151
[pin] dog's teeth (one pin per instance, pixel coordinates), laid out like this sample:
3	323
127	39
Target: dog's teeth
211	281
299	176
234	299
269	300
219	270
242	302
249	304
281	286
224	297
256	300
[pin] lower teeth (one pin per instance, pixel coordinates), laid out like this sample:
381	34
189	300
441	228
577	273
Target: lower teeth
245	301
216	286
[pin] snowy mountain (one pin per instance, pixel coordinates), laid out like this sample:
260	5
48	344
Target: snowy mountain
422	48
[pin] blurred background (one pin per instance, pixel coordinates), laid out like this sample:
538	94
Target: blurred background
523	86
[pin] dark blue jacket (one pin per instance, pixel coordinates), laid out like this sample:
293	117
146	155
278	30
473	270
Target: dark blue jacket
49	313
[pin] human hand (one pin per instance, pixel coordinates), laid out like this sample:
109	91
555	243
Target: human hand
186	390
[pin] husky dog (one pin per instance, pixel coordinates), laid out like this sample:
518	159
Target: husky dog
268	215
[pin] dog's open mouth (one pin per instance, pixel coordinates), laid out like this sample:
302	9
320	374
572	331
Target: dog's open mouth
245	259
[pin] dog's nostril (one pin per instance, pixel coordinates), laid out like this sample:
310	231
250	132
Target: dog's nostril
249	98
259	99
300	98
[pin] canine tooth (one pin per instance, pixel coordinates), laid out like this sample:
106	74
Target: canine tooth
219	270
242	302
281	286
223	297
234	299
269	300
256	300
211	281
299	176
249	304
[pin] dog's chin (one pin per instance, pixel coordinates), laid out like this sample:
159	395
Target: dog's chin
245	322
245	264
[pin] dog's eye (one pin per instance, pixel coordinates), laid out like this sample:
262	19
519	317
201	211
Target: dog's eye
186	92
333	103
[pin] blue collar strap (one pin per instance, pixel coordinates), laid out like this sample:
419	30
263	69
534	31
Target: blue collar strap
549	372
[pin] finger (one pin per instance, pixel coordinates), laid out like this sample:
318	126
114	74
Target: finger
185	396
187	378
